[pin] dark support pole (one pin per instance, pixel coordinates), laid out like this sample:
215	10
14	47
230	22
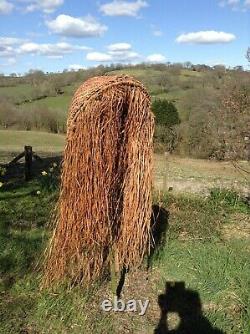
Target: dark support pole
28	162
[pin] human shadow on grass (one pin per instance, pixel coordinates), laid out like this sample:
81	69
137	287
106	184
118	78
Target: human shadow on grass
186	303
159	225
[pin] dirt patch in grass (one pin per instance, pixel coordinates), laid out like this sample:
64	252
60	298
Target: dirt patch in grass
198	176
238	228
138	285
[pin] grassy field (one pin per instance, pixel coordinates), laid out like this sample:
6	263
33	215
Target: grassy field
199	250
199	175
175	94
13	142
182	175
61	102
18	91
206	248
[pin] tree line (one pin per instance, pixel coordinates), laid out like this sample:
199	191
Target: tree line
200	111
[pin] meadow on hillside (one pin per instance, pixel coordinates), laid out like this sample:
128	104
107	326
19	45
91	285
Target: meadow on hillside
212	104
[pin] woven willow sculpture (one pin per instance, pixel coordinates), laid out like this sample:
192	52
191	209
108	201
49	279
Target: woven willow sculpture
105	198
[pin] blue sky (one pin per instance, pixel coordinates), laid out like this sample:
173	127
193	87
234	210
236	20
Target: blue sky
53	35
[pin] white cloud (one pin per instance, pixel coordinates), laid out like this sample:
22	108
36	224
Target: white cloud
99	56
76	67
156	58
119	47
119	52
122	52
157	33
55	57
124	56
236	5
216	62
51	50
123	8
8	46
76	27
6	51
11	47
8	41
47	6
206	37
6	7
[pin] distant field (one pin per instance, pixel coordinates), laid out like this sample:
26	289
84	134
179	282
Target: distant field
176	93
186	175
182	175
60	102
149	72
16	91
14	141
147	76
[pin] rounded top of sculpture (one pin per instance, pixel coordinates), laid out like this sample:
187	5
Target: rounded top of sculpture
94	88
101	83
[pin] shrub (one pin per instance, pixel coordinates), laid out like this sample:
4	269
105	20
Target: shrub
165	112
167	138
8	113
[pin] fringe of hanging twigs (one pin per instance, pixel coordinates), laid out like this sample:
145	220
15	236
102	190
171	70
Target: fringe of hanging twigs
105	198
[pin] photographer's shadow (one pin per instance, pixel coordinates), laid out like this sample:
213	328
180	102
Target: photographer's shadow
187	305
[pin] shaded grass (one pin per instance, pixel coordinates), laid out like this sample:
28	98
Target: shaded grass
195	252
219	272
60	102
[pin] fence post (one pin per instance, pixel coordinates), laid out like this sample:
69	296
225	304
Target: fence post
28	162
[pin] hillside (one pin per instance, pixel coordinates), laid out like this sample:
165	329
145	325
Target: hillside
202	95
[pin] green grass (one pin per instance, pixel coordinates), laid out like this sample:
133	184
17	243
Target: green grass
176	93
183	174
14	141
18	91
195	252
60	103
148	76
219	272
188	73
